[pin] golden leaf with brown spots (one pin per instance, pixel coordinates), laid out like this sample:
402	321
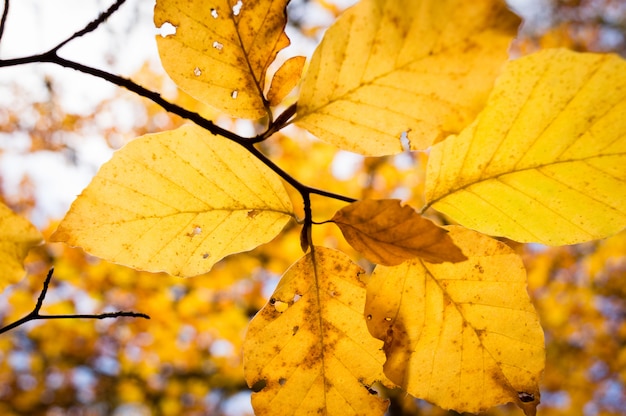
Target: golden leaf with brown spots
309	346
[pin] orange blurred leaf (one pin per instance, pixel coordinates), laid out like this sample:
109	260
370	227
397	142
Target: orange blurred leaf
17	237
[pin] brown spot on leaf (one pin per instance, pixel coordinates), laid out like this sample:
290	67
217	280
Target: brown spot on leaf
258	385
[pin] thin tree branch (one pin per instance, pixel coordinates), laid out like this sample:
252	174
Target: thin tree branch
130	85
92	25
3	19
35	315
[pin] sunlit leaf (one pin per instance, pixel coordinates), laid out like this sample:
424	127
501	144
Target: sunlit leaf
545	160
179	202
419	66
308	350
221	49
285	79
17	237
464	336
387	233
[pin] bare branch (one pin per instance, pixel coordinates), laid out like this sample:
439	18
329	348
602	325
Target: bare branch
35	315
3	19
92	25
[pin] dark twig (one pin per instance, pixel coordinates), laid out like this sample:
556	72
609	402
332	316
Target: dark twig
35	315
92	25
3	19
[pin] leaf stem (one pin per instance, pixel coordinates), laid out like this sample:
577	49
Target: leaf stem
35	315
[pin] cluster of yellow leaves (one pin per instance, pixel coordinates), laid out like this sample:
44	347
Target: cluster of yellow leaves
536	158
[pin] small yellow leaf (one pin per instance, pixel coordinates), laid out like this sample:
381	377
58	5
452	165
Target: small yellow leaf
17	237
221	49
387	233
419	66
463	336
308	352
544	162
178	202
285	79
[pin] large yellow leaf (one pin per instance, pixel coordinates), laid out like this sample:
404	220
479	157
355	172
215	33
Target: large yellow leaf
308	352
545	161
177	201
464	336
388	233
419	66
221	49
17	237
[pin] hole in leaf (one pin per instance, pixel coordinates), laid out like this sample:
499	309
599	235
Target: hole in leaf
196	230
526	397
280	306
405	142
388	319
234	94
237	8
166	29
296	297
197	72
282	381
218	45
214	13
258	386
369	317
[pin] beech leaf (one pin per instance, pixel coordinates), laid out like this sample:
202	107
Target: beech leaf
17	237
388	67
221	50
385	232
285	79
177	201
308	352
544	162
463	336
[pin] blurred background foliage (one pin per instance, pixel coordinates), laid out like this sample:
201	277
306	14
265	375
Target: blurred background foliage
186	360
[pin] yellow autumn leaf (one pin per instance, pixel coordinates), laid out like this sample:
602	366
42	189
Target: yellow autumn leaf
178	202
308	350
221	50
419	66
385	232
463	336
285	79
544	162
17	237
